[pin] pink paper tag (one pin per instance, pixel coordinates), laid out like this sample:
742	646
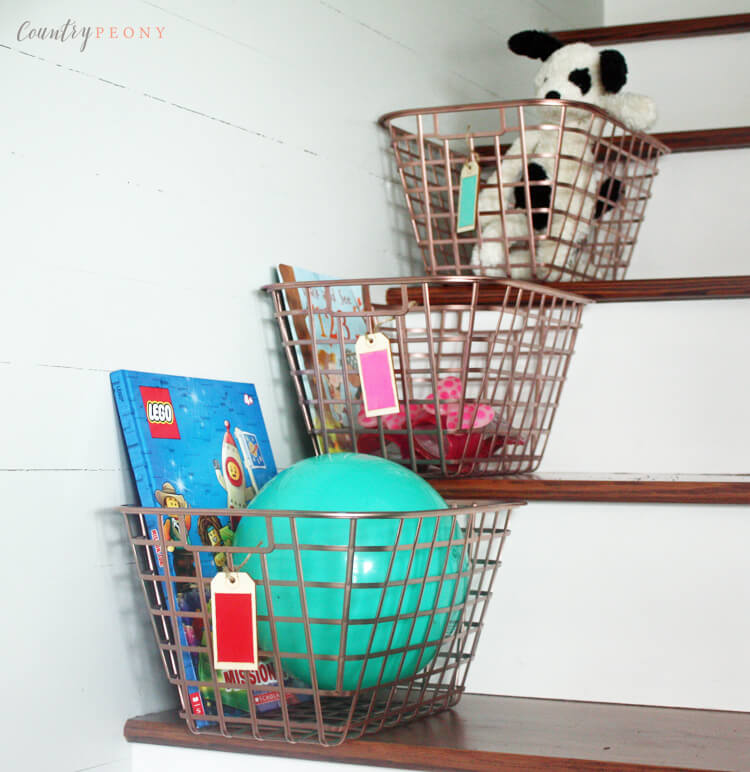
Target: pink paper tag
376	375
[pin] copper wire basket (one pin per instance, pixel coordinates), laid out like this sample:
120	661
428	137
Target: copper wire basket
563	187
404	638
479	367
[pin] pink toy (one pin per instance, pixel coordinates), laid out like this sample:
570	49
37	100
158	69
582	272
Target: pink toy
396	422
463	445
462	436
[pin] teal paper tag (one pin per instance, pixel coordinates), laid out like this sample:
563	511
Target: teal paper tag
467	197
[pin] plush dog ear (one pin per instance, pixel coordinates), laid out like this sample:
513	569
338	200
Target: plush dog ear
614	70
535	45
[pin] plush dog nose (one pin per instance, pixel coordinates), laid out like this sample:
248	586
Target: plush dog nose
552	95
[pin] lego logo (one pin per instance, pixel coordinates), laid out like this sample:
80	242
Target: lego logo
159	413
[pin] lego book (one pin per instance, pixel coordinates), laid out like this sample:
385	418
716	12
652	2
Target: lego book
327	349
195	443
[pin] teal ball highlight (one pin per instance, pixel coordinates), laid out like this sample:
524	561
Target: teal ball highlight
351	483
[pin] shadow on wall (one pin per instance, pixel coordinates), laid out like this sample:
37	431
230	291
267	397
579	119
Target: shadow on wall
405	246
290	417
126	604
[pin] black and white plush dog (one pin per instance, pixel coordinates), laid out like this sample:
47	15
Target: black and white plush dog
575	72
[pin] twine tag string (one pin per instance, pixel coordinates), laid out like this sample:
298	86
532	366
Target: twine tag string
384	320
229	565
470	152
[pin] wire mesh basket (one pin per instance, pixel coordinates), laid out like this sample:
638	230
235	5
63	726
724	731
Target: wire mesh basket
563	187
479	367
377	615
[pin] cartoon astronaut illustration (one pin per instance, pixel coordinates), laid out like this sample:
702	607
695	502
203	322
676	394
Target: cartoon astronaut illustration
230	474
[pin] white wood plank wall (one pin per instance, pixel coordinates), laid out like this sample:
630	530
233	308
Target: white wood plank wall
148	187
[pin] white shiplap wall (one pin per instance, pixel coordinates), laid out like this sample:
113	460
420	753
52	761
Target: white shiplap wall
148	187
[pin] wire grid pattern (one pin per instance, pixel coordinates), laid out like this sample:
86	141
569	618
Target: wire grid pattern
590	206
511	355
463	555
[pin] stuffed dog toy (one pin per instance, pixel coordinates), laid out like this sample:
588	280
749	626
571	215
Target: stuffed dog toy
571	72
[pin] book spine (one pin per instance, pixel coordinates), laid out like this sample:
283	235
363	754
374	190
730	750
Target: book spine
128	406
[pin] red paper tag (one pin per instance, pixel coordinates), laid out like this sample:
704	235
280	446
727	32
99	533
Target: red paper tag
376	375
234	626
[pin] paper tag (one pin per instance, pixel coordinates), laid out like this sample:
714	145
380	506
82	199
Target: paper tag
234	625
376	375
467	197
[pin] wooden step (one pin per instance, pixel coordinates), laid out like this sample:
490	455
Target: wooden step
626	290
657	30
696	140
691	141
486	733
628	488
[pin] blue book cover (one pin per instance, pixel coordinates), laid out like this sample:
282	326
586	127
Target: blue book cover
195	443
325	330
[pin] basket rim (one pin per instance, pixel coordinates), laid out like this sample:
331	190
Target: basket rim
386	119
451	511
541	289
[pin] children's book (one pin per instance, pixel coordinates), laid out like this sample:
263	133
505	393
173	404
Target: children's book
195	443
330	337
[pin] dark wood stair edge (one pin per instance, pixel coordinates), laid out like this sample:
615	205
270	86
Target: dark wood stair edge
600	291
668	489
370	752
688	141
485	733
685	141
697	140
682	288
658	30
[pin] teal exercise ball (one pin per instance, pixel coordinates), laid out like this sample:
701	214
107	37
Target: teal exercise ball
350	483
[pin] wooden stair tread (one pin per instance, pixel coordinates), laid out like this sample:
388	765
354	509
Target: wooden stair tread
604	291
688	141
696	140
628	488
486	733
683	288
658	30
